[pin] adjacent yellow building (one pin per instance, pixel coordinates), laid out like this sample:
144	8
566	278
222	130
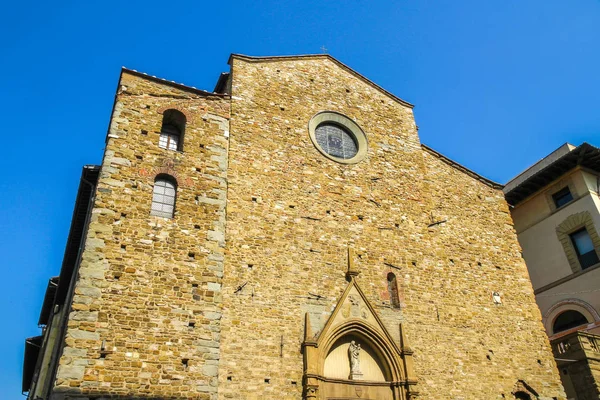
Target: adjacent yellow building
556	212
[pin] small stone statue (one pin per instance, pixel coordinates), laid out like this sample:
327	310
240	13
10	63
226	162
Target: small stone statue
353	353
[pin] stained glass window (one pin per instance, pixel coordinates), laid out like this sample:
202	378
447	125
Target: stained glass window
336	141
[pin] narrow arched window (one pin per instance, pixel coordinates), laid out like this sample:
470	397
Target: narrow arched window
163	196
171	132
393	290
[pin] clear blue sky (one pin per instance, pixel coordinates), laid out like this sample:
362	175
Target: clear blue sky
497	85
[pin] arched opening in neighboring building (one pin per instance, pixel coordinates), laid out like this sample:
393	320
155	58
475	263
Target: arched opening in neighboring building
172	130
567	320
393	290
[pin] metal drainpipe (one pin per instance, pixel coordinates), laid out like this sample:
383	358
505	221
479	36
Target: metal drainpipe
63	323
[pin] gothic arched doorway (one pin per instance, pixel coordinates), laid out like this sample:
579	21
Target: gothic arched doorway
354	356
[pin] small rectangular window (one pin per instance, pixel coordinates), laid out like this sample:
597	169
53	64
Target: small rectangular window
584	248
562	197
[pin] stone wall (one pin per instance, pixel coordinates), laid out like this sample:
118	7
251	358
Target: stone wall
260	238
149	288
292	213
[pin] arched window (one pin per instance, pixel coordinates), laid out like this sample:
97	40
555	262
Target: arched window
163	196
393	290
567	320
171	132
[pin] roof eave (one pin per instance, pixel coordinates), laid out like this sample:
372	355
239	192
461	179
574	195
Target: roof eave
585	155
171	83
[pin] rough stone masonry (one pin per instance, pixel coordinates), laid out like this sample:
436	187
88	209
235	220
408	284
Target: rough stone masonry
211	304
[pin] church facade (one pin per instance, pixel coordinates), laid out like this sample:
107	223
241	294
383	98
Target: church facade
285	237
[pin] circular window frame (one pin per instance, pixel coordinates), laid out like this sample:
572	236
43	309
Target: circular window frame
347	124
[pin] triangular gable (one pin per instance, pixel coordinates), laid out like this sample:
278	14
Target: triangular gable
352	316
353	304
327	57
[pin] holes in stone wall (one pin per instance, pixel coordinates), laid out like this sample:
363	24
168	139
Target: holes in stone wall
230	378
123	215
123	248
139	157
192	256
250	266
254	199
191	324
293	383
198	169
144	132
185	362
194	285
196	226
414	263
267	380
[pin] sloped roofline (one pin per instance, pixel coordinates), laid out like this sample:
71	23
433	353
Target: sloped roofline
170	83
585	155
182	86
321	56
462	168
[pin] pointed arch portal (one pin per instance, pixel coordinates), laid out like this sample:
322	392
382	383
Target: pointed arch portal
355	357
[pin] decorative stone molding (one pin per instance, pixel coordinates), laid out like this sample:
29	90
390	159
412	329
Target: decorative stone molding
571	224
355	319
350	125
568	304
565	182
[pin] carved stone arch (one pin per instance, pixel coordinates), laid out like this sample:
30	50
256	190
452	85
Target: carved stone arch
381	345
571	224
354	322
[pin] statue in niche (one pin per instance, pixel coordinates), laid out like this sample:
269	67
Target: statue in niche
354	354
